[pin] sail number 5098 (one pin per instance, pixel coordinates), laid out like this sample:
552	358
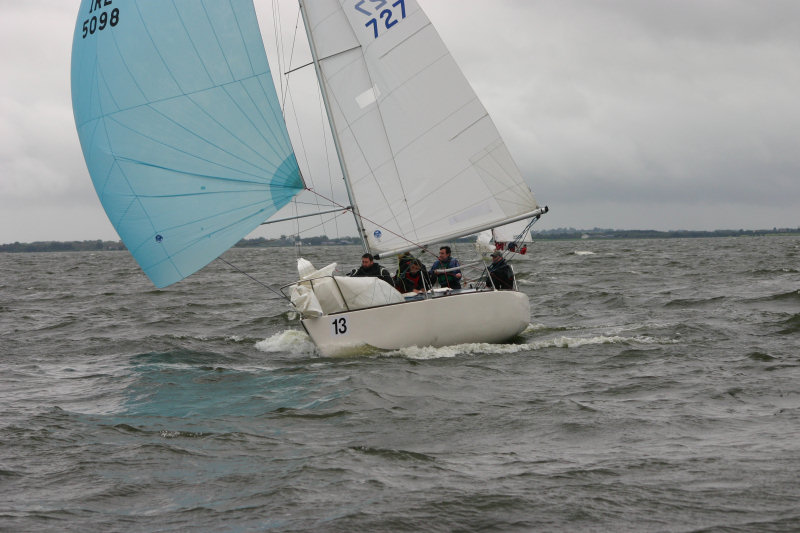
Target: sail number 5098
385	17
95	24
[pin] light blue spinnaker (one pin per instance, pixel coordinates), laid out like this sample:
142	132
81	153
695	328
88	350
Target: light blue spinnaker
180	127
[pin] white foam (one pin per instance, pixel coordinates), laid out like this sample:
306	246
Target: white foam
297	342
445	352
429	352
292	341
534	327
583	252
576	342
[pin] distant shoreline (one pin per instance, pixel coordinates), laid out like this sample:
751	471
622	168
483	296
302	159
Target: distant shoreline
261	242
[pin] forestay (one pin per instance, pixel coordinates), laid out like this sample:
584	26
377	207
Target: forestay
180	127
424	158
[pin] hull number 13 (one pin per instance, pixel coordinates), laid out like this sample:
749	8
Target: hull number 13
339	326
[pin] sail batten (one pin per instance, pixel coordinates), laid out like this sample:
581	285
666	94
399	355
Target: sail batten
180	126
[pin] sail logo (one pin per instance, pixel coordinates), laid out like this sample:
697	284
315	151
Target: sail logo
378	234
382	17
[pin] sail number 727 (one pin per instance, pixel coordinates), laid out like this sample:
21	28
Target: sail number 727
382	16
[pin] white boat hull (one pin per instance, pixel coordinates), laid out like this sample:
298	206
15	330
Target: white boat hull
467	317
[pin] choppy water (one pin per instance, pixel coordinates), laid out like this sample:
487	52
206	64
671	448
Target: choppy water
657	389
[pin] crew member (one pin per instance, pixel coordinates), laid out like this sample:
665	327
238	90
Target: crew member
369	268
450	279
500	272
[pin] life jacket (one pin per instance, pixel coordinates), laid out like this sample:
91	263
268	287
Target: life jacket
448	279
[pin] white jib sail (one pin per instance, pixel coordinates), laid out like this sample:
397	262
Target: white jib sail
424	158
514	232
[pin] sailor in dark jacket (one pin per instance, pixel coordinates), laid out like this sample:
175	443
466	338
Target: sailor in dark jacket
369	268
501	274
414	279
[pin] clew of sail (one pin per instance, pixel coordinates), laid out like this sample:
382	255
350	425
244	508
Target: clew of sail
424	160
180	127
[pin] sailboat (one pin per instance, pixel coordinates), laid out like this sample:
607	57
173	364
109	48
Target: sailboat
511	239
184	138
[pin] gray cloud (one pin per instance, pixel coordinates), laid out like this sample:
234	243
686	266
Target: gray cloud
621	113
689	103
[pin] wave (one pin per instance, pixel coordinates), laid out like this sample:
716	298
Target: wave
781	297
293	341
297	342
790	325
535	328
791	296
773	271
429	352
583	252
286	318
694	302
402	455
760	356
181	358
9	474
290	412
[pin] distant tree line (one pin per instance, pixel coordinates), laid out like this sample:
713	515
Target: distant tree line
324	240
600	233
283	240
59	246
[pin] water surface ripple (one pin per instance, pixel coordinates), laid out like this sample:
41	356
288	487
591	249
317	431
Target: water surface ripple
656	389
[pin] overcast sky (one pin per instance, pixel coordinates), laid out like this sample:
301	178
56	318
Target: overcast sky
657	114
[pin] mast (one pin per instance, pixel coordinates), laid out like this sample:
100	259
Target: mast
336	141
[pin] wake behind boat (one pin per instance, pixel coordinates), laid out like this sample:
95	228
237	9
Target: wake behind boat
184	138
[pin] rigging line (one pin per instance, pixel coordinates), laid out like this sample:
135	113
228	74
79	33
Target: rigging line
323	58
297	217
276	10
308	203
323	124
297	228
334	132
303	146
333	100
252	278
391	210
291	58
418	245
306	230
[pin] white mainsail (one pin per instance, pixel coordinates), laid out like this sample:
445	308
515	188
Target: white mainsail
424	160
